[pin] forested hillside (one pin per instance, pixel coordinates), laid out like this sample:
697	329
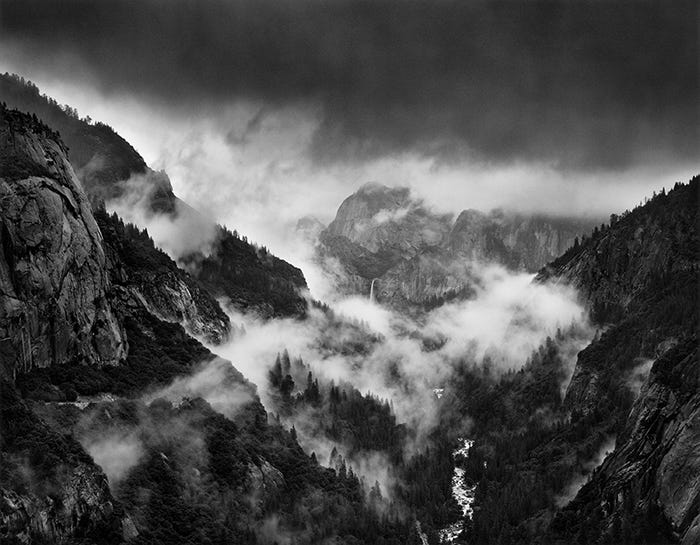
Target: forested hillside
119	426
362	429
99	155
197	472
535	448
251	278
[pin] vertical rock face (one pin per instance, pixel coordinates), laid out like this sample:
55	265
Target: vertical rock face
382	218
83	504
419	257
521	242
53	284
653	476
51	491
264	483
252	280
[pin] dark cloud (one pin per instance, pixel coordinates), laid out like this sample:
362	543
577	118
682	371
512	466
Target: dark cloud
589	84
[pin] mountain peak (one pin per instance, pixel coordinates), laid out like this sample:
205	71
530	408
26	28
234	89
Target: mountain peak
373	187
380	196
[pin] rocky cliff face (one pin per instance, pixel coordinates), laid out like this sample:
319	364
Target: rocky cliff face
155	280
639	276
520	242
53	285
50	490
379	218
650	484
420	257
104	162
83	502
100	157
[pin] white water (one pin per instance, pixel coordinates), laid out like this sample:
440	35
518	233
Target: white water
421	534
371	291
463	494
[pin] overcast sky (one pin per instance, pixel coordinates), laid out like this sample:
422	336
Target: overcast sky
262	108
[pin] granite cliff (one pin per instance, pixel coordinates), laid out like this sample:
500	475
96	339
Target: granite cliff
148	274
419	257
54	304
111	170
650	484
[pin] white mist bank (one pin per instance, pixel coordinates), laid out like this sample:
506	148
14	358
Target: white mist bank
509	318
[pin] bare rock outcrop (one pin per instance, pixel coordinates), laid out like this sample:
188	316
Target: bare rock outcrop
53	283
51	491
157	283
265	483
419	257
80	505
652	479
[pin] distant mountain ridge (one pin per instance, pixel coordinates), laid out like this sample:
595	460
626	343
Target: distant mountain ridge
419	257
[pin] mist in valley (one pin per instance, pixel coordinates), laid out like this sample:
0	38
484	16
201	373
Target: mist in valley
348	272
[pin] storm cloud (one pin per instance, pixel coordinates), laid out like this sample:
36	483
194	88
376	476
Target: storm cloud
581	85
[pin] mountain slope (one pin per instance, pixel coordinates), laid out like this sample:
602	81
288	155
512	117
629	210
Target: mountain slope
253	280
640	276
648	489
619	268
53	284
99	155
131	452
418	257
55	311
540	432
168	292
51	490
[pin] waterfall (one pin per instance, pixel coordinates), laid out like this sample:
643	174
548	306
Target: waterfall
371	291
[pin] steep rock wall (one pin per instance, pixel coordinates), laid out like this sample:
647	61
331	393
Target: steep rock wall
651	482
53	284
420	257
